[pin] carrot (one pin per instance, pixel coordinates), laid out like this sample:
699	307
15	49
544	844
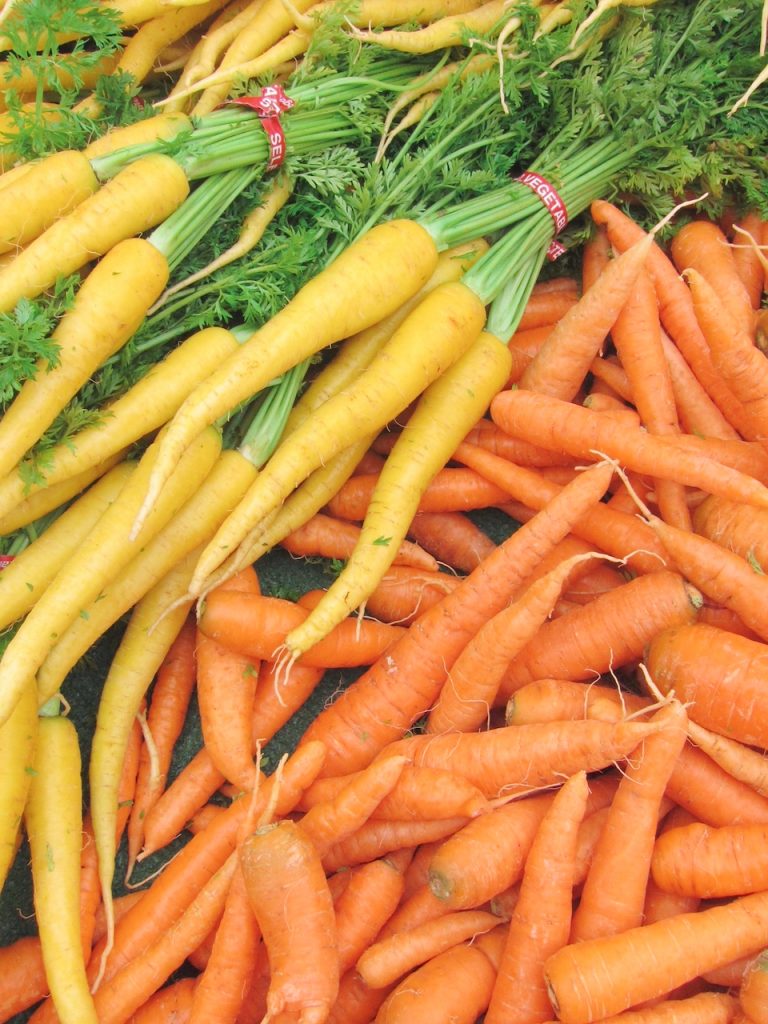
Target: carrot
711	794
745	257
540	923
356	1003
608	530
472	684
256	626
702	247
733	354
727	702
637	337
53	818
675	308
453	987
283	342
613	894
732	525
696	411
285	883
172	891
545	306
379	838
377	714
333	820
452	538
567	427
171	1003
595	255
485	434
451	490
418	793
368	901
701	1008
552	700
61	182
753	997
443	413
643	963
164	126
699	860
18	745
171	694
738	760
404	593
221	987
387	960
629	617
118	211
144	407
226	686
329	537
126	991
560	366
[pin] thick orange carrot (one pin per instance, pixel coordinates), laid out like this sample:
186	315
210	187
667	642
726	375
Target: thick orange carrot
328	537
256	626
380	705
172	1003
488	436
404	593
368	901
286	884
171	694
379	838
675	308
541	920
699	860
564	426
226	687
547	305
609	632
593	979
735	526
613	894
701	246
720	675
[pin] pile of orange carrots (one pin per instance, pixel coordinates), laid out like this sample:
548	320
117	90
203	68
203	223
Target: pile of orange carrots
544	796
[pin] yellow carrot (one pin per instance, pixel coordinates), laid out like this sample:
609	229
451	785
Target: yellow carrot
437	332
18	744
100	557
352	293
162	126
26	577
138	198
87	335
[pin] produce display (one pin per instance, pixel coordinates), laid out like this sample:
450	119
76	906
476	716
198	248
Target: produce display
383	511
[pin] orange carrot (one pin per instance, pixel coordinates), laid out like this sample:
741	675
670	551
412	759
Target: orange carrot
745	257
404	593
255	626
637	337
711	794
420	906
465	970
699	860
700	1008
609	632
452	538
286	883
368	901
613	894
593	979
485	434
735	526
564	426
172	1003
696	411
328	537
719	675
356	1003
675	308
546	307
612	375
389	959
595	256
226	687
333	820
379	838
701	246
473	682
451	490
381	704
753	993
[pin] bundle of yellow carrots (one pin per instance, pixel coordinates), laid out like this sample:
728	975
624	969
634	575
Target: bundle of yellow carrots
540	793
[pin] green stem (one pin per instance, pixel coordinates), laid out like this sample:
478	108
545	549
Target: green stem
273	407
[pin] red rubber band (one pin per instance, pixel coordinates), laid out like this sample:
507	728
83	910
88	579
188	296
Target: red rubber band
269	104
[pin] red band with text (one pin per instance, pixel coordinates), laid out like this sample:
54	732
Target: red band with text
553	203
5	560
269	104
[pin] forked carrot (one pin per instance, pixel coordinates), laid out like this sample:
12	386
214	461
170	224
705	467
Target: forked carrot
541	919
